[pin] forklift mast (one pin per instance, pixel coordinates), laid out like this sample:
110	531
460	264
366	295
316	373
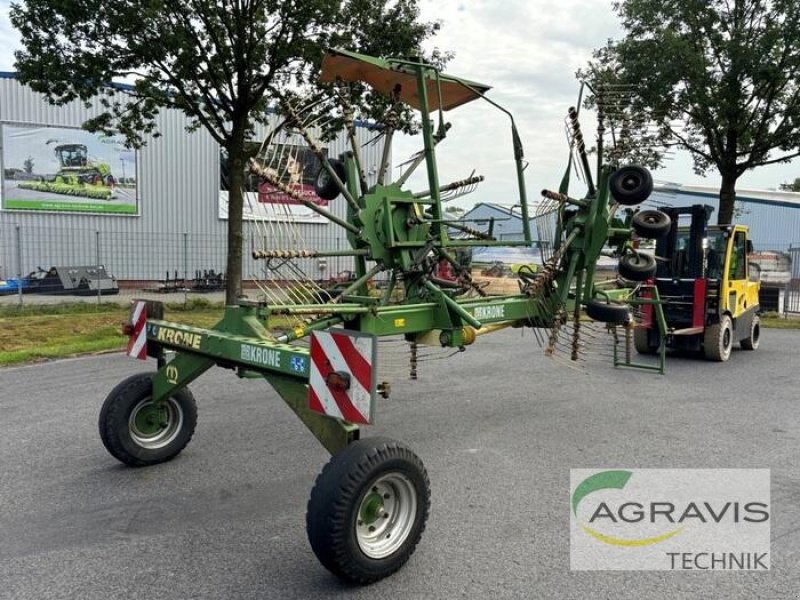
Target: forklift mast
702	277
685	256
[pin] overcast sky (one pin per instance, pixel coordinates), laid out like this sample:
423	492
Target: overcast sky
528	51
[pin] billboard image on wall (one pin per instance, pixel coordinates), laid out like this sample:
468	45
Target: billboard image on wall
296	167
58	169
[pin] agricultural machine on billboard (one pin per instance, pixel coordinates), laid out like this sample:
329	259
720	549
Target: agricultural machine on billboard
78	175
369	505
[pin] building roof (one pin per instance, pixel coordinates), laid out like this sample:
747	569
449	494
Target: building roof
127	87
510	210
773	197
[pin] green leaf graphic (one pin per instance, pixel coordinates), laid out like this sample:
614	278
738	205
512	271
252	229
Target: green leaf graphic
599	481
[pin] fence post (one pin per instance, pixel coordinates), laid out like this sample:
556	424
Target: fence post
338	259
786	299
97	269
19	264
185	268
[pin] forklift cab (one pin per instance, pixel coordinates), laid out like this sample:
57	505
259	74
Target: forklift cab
703	279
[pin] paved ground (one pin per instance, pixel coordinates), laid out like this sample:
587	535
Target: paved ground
498	427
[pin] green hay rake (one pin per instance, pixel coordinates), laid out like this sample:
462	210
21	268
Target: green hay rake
369	505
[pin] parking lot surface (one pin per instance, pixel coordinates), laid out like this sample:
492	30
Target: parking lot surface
498	427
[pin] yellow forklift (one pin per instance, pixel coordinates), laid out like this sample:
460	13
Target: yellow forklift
703	278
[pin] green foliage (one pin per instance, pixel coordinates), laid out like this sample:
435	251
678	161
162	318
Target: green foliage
77	189
192	305
67	308
793	186
455	211
774	320
220	62
717	77
35	332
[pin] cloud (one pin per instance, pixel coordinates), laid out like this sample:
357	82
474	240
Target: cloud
528	50
9	38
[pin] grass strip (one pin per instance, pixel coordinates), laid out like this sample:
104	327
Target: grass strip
45	332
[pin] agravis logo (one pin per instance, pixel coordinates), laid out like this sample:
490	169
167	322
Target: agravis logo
613	480
714	519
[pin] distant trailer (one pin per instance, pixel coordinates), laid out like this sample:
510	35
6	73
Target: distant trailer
77	281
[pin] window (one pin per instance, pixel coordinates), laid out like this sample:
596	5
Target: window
717	244
738	257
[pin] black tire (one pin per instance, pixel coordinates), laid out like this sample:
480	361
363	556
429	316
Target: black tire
325	186
617	314
373	489
752	340
127	428
637	266
718	340
651	224
641	341
630	185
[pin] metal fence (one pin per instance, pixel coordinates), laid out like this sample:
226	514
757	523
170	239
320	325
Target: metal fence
791	298
181	265
159	264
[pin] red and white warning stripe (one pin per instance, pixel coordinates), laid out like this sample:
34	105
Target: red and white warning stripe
137	343
333	354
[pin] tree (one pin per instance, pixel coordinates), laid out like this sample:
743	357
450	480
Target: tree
717	77
28	165
219	61
456	212
793	186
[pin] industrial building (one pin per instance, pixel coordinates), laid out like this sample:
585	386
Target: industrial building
156	212
165	215
773	219
504	221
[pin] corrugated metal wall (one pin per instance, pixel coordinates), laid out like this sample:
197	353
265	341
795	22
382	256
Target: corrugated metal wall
773	225
178	228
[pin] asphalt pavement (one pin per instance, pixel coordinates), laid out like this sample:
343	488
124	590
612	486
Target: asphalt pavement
498	427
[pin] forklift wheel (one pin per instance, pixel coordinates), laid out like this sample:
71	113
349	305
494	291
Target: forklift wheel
617	314
637	266
630	185
138	433
641	341
651	224
751	341
368	509
325	186
718	340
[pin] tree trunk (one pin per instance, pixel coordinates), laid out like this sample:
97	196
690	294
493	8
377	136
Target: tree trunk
727	199
233	288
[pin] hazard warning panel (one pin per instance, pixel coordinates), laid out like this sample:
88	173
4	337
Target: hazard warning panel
342	378
137	343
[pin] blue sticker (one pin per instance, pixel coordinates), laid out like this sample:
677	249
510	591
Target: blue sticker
298	364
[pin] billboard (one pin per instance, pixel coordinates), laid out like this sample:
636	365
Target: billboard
59	169
295	166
